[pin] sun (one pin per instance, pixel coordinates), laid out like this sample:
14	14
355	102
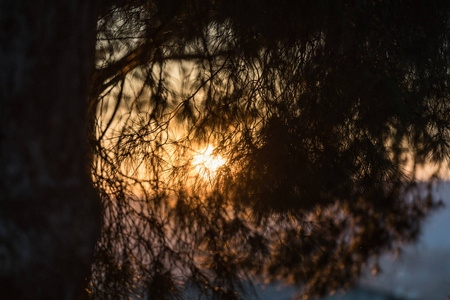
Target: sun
207	163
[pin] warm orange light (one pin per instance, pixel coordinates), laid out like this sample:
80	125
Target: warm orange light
207	164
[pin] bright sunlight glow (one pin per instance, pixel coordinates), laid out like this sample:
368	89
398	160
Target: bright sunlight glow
207	164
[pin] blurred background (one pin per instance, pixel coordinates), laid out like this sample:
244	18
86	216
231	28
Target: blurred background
420	271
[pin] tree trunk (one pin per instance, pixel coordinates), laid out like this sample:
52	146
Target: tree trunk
49	216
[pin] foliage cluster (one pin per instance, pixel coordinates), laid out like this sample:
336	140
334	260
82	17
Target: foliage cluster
322	110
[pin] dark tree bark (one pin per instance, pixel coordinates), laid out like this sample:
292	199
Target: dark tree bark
49	217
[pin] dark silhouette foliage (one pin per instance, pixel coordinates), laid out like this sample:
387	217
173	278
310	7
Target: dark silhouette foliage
321	110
